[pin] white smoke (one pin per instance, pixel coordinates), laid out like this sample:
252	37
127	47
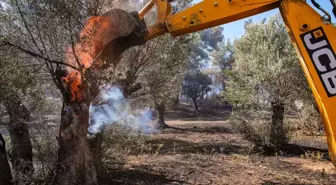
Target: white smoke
114	108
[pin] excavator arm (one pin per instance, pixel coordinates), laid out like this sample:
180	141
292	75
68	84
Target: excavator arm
313	36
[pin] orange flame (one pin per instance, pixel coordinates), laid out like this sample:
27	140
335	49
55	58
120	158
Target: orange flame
85	52
74	82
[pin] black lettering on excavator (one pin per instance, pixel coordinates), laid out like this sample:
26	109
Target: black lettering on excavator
323	57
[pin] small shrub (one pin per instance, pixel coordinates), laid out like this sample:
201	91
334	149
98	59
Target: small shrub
255	126
121	141
310	120
213	102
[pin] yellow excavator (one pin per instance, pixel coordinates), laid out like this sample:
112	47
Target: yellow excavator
313	36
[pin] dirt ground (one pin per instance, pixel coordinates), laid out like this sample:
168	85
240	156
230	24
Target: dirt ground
204	150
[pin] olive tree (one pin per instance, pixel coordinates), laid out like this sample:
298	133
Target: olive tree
16	83
48	31
195	86
266	75
164	76
151	75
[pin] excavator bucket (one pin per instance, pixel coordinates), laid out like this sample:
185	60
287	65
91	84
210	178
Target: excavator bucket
113	33
101	42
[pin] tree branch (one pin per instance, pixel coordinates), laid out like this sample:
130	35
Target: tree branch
27	28
33	54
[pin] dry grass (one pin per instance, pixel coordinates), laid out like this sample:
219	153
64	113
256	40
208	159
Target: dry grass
208	152
198	149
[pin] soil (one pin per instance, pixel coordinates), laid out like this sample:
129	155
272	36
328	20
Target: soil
203	149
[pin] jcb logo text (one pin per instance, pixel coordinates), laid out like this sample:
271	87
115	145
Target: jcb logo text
323	57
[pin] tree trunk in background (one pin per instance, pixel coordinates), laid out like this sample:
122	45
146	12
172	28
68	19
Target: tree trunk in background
75	165
160	109
97	152
176	101
195	104
5	171
22	151
278	135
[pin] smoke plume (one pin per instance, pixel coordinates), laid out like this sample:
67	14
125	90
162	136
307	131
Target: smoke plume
113	108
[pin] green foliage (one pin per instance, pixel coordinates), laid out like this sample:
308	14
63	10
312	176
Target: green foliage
265	76
202	43
120	142
166	72
211	37
224	56
196	85
309	121
266	68
16	78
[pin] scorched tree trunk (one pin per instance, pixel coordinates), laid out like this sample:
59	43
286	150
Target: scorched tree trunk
97	151
75	165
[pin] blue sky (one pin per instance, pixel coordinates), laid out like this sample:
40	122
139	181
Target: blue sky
236	29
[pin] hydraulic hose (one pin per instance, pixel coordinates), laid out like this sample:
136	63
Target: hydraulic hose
333	2
318	6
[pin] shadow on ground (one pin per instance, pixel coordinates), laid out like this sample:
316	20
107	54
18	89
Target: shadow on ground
136	177
295	150
195	129
187	114
164	146
176	146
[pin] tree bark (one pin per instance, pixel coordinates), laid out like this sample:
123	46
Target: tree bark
5	171
195	104
97	152
160	109
22	151
176	100
75	165
278	135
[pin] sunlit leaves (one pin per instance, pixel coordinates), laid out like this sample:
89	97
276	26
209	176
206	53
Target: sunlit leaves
266	67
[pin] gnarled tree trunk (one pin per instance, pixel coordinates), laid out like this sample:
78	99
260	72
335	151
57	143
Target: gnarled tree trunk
97	152
160	109
278	135
22	151
75	165
5	171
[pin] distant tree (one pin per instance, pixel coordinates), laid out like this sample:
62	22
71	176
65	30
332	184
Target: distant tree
223	58
198	54
195	86
165	75
201	45
212	37
152	74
